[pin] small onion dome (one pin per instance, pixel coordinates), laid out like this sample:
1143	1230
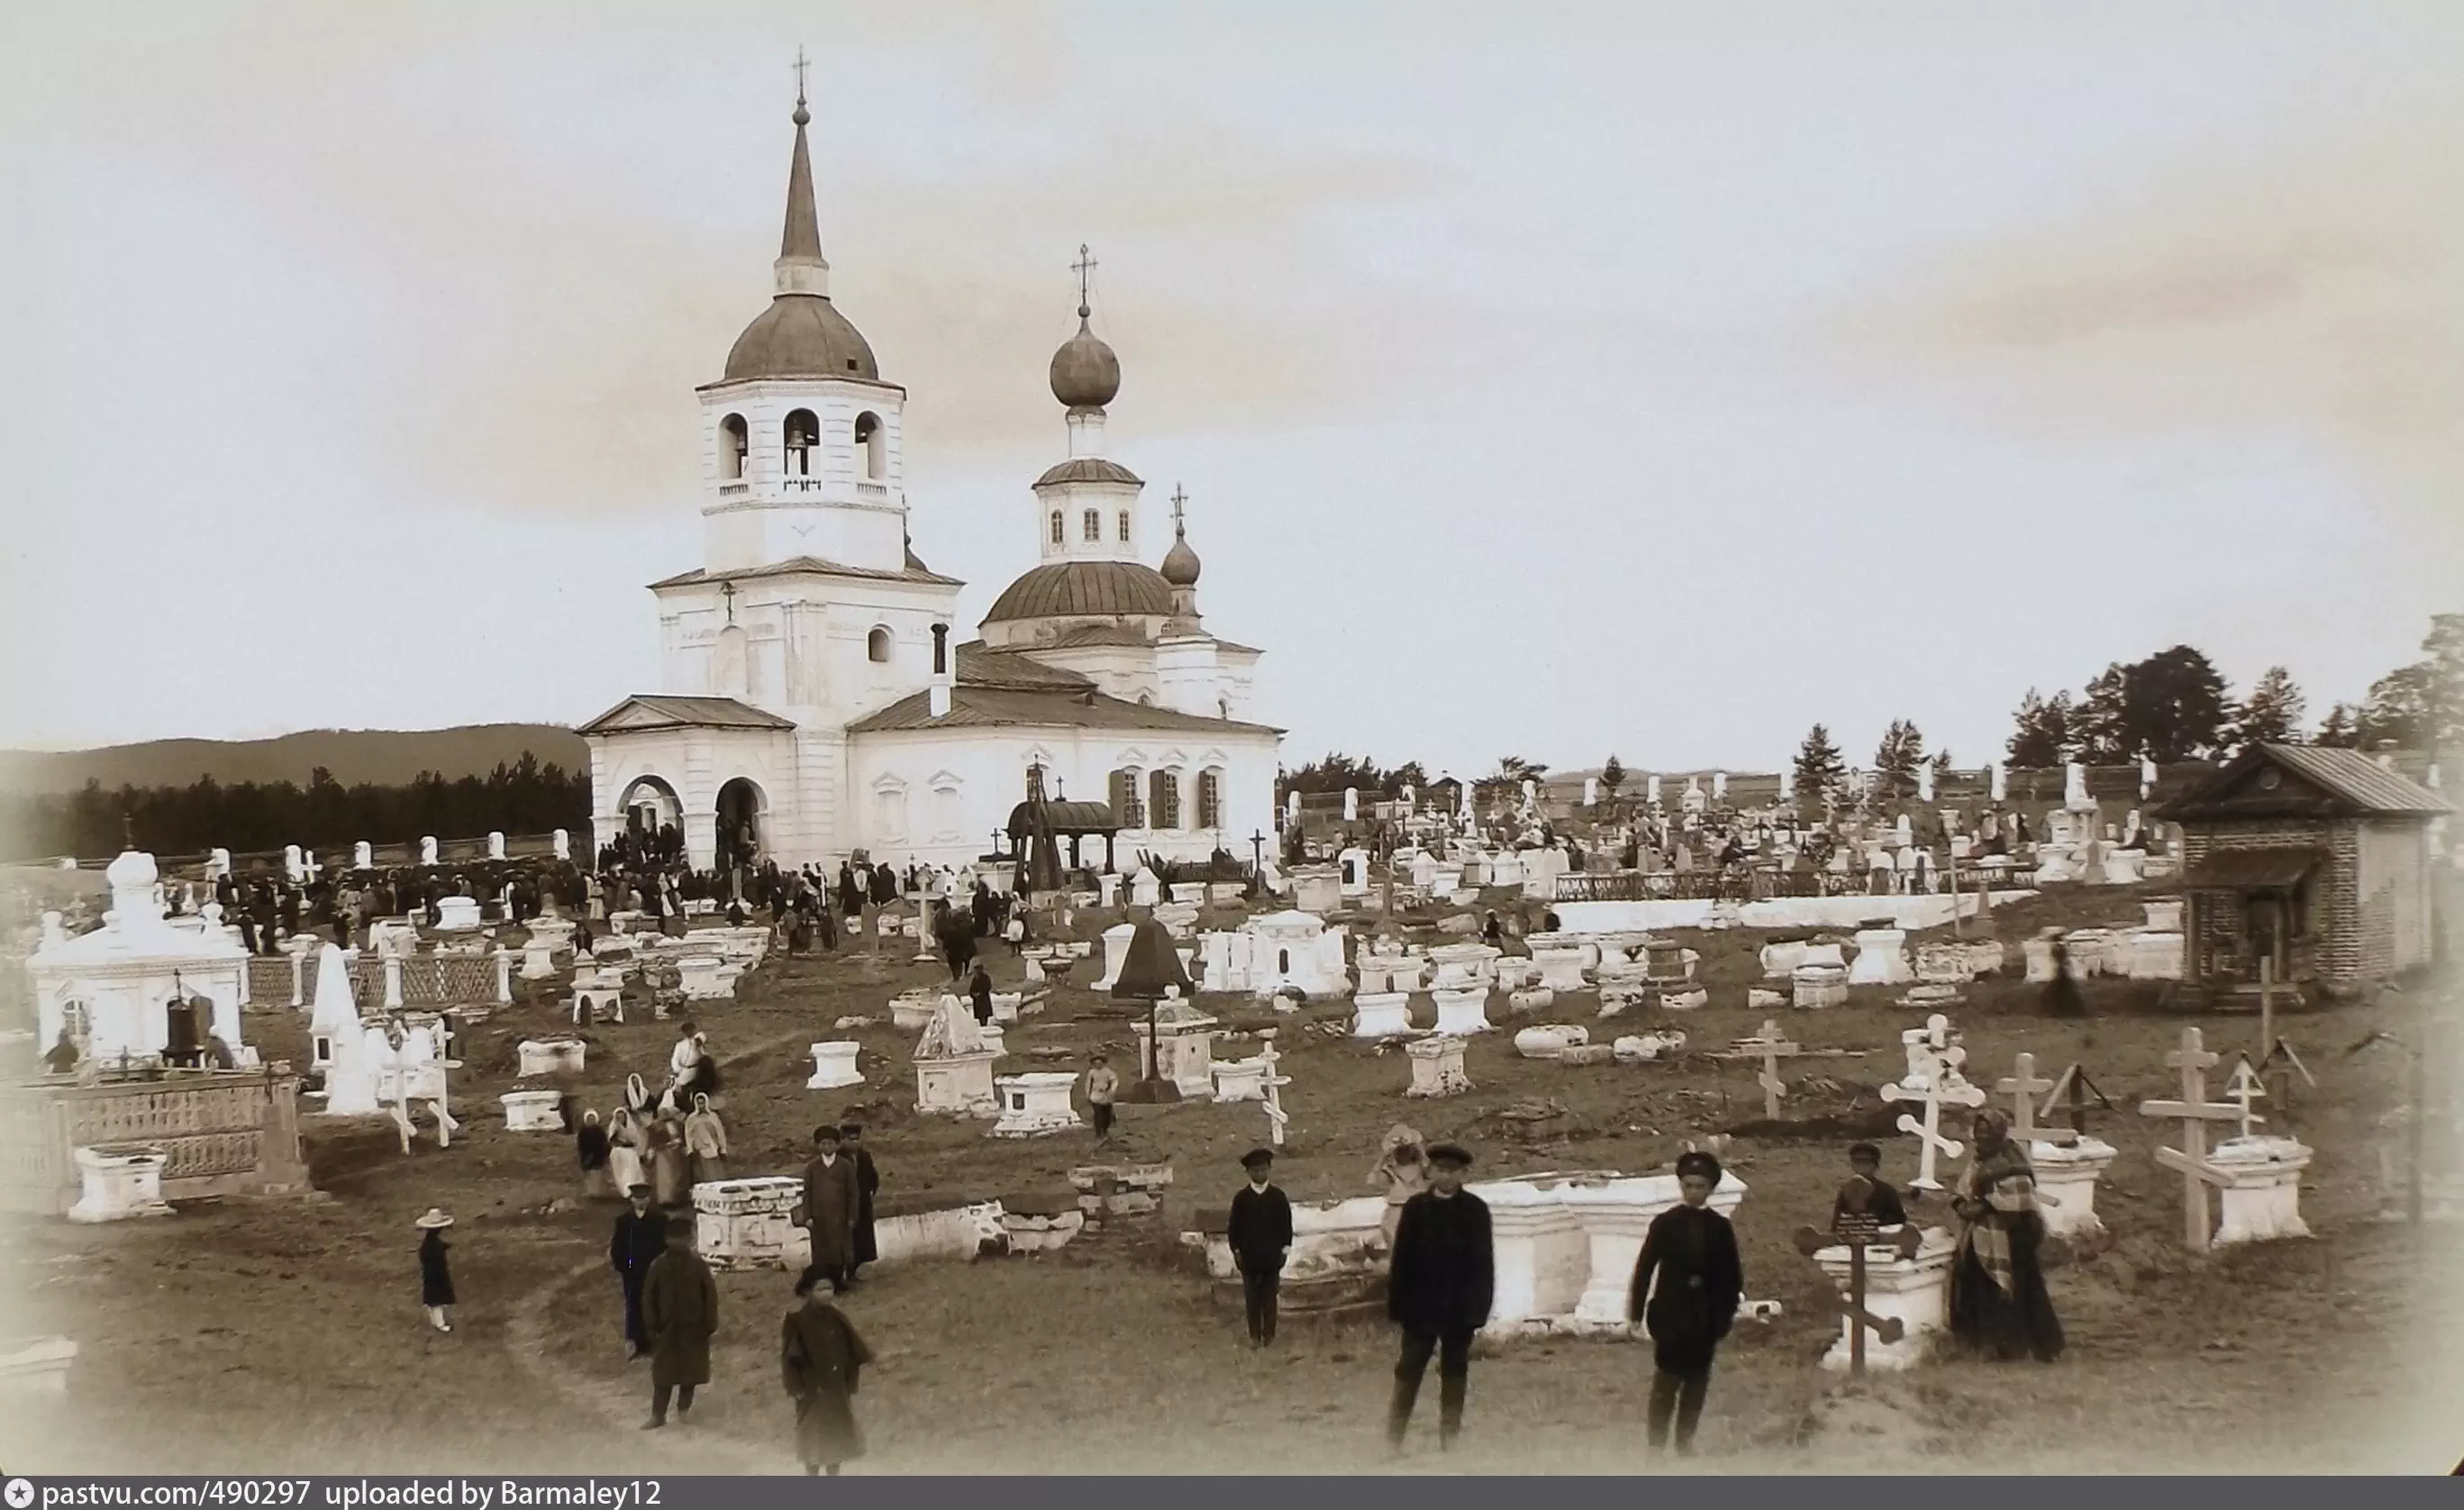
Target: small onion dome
1085	375
1181	562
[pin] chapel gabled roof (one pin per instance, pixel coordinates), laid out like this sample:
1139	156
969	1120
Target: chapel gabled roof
644	714
2307	781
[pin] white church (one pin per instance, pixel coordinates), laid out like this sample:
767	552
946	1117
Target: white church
817	701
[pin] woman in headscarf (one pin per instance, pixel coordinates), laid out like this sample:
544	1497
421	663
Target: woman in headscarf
1402	1174
1998	1303
705	1142
820	1357
1692	1251
590	1145
624	1151
664	1151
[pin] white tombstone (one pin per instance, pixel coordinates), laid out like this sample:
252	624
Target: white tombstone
2261	1193
707	977
1561	969
1591	790
1788	783
118	1182
1719	786
1914	1291
1353	866
218	864
1531	794
1997	782
1779	961
549	1057
1292	808
1146	888
1651	790
335	1015
750	1223
363	856
954	1067
2152	955
1351	804
1882	958
1550	1039
834	1066
2066	1177
496	845
1460	1012
562	845
1240	1080
2165	914
457	915
427	849
294	869
1437	1067
1381	1014
1036	1105
1107	889
1116	953
533	1110
1924	782
2075	787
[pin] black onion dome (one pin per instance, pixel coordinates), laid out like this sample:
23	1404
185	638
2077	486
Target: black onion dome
1085	375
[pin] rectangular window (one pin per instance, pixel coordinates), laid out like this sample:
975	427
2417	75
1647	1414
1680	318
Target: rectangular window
1127	810
1210	799
1093	525
1125	526
1165	799
1058	537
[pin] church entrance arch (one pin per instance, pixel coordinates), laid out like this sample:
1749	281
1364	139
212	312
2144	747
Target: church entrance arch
743	813
650	809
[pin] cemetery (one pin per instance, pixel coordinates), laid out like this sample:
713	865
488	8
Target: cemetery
2201	1205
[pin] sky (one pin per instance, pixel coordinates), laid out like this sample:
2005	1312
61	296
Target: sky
1546	380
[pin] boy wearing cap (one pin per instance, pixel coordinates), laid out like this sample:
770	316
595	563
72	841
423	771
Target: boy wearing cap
1692	1251
1439	1290
1865	1194
641	1238
1259	1233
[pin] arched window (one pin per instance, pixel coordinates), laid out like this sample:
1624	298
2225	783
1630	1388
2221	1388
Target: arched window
734	444
1125	526
1210	798
1127	810
1059	535
941	649
1163	801
872	441
1092	526
803	434
876	645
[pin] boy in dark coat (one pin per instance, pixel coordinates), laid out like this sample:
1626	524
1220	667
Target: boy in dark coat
820	1356
867	1185
1259	1233
1439	1290
680	1312
641	1236
1693	1252
1879	1201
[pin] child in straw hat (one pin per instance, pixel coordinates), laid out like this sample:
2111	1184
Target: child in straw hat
435	1279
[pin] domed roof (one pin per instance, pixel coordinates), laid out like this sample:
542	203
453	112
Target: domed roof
1089	468
1181	562
1060	589
1085	375
801	335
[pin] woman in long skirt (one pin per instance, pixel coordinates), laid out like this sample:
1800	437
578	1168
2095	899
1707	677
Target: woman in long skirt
820	1357
624	1152
1998	1302
663	1148
590	1145
705	1143
435	1275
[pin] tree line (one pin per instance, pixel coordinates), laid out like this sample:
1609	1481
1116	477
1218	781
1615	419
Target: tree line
522	798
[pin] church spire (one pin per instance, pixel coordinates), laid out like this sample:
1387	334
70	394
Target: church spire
800	267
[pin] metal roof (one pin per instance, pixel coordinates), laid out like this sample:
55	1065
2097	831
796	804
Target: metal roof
1061	589
1067	817
981	666
683	712
1004	708
812	566
1089	468
2328	781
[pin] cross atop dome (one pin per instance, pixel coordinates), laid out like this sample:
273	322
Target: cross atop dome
1085	375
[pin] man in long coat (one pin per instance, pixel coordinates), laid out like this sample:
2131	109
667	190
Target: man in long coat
832	1201
867	1185
820	1356
1439	1288
641	1238
680	1309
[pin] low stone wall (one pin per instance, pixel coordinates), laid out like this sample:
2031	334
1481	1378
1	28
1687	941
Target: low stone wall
1826	912
222	1132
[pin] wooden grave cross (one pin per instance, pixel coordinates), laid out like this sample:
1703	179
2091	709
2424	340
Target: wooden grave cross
1941	1084
2021	1086
1273	1085
2277	1062
1773	1048
1856	1232
2195	1111
2074	1083
2243	1089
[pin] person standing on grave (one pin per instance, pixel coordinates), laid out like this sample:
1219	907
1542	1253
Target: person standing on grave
1440	1286
867	1185
1259	1233
680	1313
641	1235
1102	1086
435	1276
830	1203
1691	1250
820	1357
1866	1194
1998	1302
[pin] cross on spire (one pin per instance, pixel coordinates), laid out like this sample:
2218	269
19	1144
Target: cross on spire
801	65
1085	265
1179	499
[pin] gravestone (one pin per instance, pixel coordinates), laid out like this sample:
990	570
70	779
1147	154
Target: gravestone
1437	1067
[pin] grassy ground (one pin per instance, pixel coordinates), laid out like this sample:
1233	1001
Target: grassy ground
287	1337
